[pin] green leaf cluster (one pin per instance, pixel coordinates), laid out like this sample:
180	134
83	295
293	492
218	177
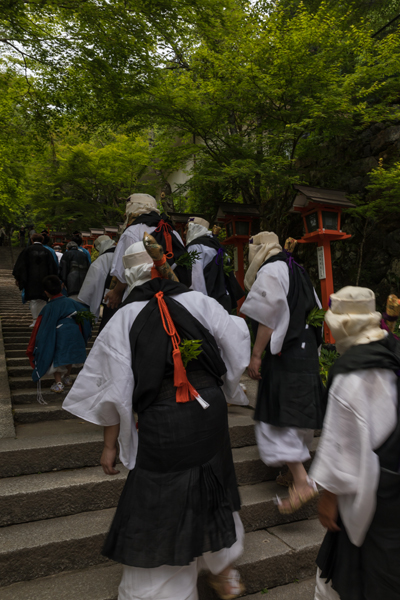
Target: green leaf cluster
188	259
315	317
326	360
190	350
85	315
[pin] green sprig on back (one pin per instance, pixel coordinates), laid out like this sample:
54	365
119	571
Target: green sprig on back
85	315
190	350
188	259
315	317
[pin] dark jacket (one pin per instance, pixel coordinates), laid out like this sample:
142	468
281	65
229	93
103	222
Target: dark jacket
33	264
73	268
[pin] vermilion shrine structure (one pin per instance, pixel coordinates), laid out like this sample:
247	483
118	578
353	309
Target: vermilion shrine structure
321	210
238	220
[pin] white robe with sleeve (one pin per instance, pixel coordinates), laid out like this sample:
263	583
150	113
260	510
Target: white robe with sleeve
267	304
206	256
361	414
102	394
92	290
131	235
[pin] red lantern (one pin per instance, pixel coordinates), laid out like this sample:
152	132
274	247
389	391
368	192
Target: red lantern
321	211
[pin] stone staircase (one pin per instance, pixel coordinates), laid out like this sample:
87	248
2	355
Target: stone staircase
56	504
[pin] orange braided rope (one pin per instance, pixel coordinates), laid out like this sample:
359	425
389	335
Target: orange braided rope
166	228
185	391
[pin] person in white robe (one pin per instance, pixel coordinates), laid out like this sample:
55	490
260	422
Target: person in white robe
289	402
358	457
103	394
208	271
97	280
137	206
197	228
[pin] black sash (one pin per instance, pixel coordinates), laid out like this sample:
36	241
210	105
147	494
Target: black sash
371	571
220	286
152	348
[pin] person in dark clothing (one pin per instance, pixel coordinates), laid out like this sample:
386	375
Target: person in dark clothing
33	265
208	273
21	235
290	393
73	268
46	244
179	507
77	238
358	456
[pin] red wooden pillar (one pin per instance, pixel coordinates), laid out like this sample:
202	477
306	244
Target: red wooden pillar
327	282
240	272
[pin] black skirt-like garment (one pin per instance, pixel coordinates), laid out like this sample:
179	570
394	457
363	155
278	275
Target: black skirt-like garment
290	393
178	501
371	571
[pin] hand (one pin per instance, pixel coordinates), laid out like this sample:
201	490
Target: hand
108	460
254	367
328	511
113	298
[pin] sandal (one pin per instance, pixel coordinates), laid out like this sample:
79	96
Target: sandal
285	479
296	500
219	583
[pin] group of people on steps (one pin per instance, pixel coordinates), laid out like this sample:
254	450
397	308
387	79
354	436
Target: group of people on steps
164	411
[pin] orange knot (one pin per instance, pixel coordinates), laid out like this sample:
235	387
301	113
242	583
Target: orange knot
165	229
185	391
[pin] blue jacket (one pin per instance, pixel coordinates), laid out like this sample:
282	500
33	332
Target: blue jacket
57	338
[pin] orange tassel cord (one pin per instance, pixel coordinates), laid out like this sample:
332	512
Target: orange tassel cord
166	229
185	391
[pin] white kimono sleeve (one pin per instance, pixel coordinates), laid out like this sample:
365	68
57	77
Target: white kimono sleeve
206	256
102	392
361	415
91	292
267	304
232	337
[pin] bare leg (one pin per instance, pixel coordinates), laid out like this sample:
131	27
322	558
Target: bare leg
57	376
69	369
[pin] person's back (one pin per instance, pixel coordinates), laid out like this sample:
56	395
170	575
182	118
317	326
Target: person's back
57	340
74	266
33	264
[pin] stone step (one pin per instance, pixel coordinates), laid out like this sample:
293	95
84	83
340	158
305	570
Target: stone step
56	445
29	396
35	413
22	383
56	494
101	583
272	557
51	446
26	371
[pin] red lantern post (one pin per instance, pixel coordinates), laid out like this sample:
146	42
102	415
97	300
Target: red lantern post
237	219
321	211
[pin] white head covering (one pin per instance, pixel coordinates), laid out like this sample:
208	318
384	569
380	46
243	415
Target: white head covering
197	227
261	247
103	243
137	264
352	318
140	204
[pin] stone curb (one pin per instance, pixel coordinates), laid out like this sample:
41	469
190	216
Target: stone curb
7	429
